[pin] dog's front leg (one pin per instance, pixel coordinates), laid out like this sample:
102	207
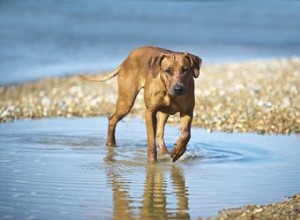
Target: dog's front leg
151	123
161	121
186	122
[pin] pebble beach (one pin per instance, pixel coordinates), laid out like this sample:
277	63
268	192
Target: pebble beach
256	96
288	209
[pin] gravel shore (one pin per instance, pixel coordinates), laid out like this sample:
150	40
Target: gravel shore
288	209
256	96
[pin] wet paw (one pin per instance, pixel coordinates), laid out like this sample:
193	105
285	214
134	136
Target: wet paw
152	160
164	151
177	153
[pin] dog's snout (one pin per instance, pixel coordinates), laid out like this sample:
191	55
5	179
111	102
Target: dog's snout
178	89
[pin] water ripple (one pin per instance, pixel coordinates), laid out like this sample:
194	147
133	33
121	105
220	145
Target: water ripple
196	152
68	174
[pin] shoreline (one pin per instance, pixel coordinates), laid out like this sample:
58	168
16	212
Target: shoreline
260	96
286	209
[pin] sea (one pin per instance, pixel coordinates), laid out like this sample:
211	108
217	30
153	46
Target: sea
42	39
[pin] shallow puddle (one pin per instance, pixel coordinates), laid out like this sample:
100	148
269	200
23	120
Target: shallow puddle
61	168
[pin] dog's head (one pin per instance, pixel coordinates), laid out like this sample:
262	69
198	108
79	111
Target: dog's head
175	70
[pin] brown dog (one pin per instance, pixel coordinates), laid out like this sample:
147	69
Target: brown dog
167	78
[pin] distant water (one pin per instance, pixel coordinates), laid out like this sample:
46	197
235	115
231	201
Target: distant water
61	169
52	37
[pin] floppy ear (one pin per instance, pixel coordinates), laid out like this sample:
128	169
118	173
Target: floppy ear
154	64
195	64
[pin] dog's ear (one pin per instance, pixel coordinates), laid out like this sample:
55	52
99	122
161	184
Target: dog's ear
154	64
195	64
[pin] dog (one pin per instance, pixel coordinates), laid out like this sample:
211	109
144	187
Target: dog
167	78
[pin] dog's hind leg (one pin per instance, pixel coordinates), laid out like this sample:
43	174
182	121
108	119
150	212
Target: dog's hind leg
126	97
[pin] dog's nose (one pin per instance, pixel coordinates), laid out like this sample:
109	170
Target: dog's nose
178	89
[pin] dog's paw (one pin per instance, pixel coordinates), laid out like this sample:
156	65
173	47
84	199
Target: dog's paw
177	153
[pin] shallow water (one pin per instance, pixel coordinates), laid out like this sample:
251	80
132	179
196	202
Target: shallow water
60	168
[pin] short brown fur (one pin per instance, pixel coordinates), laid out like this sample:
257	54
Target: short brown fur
168	80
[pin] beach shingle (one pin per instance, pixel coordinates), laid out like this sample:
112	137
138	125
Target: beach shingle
256	96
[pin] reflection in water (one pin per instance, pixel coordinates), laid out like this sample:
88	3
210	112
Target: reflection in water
154	202
61	169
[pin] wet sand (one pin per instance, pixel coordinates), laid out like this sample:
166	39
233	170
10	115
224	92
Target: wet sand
256	96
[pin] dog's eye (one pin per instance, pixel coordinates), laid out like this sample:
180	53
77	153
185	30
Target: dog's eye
185	70
168	71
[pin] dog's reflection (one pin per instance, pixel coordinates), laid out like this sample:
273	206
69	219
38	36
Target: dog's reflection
153	202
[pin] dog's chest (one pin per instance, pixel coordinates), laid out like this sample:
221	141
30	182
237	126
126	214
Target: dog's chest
171	105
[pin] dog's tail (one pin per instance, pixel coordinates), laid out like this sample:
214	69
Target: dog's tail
100	78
